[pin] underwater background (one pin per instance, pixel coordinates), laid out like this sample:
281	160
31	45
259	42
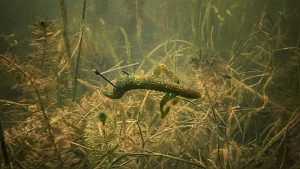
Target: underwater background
176	84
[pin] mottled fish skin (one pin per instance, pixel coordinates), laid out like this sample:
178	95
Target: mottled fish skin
151	83
127	83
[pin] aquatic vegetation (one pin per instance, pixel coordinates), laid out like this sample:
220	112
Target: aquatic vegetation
230	76
102	117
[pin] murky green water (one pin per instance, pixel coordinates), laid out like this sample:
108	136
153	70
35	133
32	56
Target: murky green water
150	84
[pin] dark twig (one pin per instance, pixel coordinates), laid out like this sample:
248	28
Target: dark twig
99	74
76	72
125	72
3	146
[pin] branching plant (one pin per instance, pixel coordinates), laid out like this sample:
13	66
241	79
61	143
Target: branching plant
244	63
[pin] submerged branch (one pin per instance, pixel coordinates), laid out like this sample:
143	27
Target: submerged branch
76	72
64	15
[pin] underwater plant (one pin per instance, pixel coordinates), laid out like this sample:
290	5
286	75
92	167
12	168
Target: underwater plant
241	58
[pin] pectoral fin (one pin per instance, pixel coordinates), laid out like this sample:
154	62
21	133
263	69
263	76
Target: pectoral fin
164	106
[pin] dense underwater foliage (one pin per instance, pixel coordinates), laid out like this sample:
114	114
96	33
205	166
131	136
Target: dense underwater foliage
228	90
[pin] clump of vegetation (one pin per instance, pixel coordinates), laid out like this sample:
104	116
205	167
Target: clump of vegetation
243	63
